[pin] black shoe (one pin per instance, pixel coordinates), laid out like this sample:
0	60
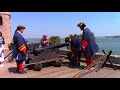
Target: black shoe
23	72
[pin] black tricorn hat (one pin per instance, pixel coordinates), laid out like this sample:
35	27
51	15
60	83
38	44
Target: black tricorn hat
81	24
44	36
21	27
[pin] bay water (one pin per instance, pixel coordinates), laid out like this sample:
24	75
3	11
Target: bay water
106	44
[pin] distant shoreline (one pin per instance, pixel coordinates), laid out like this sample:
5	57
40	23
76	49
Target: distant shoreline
112	36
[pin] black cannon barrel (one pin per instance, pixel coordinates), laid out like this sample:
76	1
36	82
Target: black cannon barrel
60	45
52	47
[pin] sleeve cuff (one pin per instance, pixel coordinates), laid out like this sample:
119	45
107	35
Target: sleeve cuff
84	43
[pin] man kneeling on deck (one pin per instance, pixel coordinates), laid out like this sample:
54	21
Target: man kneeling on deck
75	44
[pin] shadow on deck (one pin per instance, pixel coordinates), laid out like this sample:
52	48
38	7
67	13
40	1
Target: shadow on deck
12	70
73	66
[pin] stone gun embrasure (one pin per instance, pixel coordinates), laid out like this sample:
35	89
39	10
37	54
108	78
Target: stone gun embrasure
39	56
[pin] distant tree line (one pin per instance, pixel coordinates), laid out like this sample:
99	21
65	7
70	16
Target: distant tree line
56	39
80	36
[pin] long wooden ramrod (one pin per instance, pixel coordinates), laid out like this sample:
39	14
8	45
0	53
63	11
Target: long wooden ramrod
8	55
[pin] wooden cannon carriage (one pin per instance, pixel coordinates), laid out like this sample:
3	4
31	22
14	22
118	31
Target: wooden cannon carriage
39	57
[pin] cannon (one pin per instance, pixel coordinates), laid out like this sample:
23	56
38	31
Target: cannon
40	56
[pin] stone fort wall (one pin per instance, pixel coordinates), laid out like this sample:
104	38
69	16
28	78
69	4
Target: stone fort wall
5	28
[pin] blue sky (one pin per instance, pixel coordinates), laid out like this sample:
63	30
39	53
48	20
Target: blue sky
64	23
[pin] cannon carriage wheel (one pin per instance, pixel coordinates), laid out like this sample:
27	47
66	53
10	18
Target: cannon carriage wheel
38	66
58	63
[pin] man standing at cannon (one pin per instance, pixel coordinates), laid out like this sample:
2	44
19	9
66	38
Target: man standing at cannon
75	44
89	46
44	42
19	52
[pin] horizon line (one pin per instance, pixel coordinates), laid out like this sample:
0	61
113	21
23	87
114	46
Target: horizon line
61	37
